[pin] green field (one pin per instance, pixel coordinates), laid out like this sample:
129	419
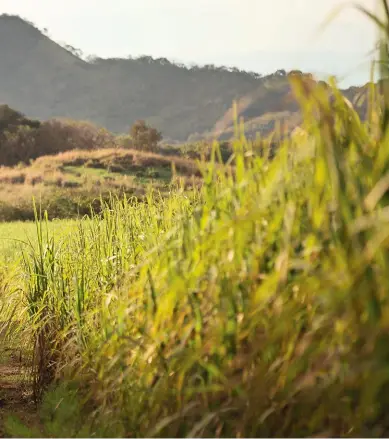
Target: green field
18	236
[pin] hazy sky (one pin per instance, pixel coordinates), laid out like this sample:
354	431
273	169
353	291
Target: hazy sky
259	35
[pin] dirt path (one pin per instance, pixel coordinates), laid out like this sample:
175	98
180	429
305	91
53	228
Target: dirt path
15	393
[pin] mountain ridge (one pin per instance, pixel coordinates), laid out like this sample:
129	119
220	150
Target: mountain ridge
43	79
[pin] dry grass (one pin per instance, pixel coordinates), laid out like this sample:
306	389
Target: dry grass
68	181
123	159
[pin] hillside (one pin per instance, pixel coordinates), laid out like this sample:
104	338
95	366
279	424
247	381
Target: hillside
69	183
44	80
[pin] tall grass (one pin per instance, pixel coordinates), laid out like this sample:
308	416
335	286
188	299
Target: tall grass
255	306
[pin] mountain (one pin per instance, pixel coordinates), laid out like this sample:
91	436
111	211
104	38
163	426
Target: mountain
44	80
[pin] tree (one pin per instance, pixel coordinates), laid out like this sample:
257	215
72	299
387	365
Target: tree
76	52
144	137
163	61
146	59
16	136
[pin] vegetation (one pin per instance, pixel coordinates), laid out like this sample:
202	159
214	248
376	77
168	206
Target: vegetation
252	305
92	163
23	140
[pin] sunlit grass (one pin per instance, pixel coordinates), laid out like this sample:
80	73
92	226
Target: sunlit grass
16	236
255	306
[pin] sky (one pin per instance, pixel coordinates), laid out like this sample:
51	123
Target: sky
259	35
